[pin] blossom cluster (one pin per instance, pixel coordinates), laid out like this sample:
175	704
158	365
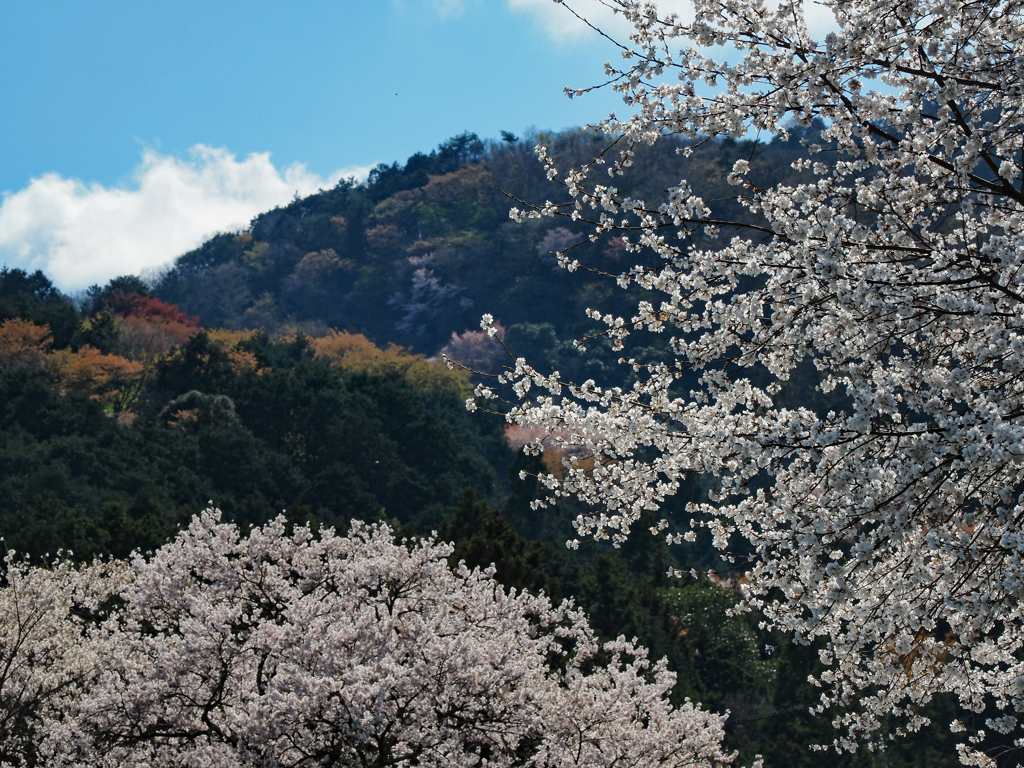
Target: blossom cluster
888	528
284	648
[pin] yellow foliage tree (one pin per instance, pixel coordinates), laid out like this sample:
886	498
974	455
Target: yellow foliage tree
353	351
242	361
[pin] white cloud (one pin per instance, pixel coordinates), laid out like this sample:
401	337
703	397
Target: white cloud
562	26
80	234
820	19
444	9
447	8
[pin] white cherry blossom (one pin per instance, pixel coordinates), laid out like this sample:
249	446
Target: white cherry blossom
891	527
281	648
50	637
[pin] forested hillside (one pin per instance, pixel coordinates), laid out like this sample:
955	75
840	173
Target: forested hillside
292	367
421	250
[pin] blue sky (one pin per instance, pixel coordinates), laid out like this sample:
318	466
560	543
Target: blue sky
133	130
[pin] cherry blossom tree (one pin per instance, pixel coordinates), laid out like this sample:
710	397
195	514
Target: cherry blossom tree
49	641
890	526
282	648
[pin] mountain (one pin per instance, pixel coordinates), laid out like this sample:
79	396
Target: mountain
420	251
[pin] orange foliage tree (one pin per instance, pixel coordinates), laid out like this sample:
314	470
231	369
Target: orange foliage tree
24	345
113	380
